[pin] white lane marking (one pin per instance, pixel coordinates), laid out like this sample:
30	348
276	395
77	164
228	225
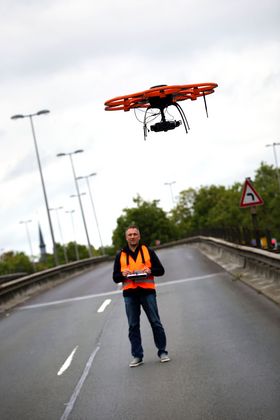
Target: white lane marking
104	305
67	362
207	276
76	299
116	292
77	390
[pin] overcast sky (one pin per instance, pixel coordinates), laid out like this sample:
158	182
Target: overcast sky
70	57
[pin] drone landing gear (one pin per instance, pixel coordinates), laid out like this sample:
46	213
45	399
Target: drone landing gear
164	124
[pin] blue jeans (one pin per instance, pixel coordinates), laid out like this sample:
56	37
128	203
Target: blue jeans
133	310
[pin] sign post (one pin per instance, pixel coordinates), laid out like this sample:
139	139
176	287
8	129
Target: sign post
250	198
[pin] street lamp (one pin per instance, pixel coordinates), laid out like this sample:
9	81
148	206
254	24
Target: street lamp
82	209
275	158
25	222
74	234
60	231
42	112
93	207
171	192
78	193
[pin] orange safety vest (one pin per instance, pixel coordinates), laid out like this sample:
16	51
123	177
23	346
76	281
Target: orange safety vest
128	263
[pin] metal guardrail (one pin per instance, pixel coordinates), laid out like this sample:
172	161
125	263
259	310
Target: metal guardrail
9	288
261	238
8	277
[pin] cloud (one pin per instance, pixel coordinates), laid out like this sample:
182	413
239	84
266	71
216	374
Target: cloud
19	168
72	35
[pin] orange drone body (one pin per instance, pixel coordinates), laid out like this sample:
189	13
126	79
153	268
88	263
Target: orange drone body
161	97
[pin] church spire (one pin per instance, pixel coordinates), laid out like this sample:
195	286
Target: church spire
42	245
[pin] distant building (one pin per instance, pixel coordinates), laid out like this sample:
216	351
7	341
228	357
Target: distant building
42	246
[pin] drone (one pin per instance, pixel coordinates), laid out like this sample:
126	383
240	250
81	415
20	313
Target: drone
155	101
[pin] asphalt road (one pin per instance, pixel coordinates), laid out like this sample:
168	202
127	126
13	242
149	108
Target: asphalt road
62	359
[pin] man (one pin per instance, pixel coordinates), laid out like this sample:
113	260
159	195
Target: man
135	266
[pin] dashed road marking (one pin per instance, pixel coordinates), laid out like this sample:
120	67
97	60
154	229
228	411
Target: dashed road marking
77	390
104	305
67	362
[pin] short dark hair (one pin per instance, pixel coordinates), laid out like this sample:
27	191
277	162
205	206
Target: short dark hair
132	226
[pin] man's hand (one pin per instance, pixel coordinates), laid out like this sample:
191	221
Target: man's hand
147	270
126	272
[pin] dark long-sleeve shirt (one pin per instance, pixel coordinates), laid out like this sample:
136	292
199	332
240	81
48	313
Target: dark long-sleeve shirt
156	268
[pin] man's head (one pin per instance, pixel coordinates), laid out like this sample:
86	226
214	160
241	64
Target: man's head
132	236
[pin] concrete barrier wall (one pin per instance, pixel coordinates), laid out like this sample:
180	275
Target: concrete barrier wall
259	269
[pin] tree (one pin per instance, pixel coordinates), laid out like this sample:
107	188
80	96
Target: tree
266	184
71	252
182	214
151	220
210	207
15	262
218	207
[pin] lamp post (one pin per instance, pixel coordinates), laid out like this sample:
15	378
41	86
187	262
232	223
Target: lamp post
30	116
25	222
78	193
60	231
273	145
93	207
84	220
171	191
74	233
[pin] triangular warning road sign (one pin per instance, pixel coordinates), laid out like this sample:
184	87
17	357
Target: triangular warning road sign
250	197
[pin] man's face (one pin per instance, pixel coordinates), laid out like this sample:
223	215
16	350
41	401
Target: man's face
133	237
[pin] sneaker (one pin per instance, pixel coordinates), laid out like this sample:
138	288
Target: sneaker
136	362
164	357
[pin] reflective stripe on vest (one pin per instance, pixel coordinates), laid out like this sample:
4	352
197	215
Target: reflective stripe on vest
142	260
